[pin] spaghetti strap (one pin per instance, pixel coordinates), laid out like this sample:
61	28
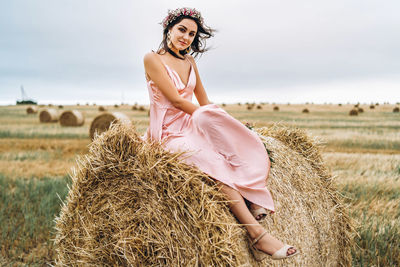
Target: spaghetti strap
204	134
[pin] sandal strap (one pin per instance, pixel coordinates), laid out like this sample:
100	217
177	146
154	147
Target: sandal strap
258	238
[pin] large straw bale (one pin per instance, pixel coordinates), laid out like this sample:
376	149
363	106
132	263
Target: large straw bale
131	203
32	110
103	121
48	115
72	118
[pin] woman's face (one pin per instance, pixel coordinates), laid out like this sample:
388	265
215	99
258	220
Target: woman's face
183	33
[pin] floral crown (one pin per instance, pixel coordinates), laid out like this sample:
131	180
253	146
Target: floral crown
184	11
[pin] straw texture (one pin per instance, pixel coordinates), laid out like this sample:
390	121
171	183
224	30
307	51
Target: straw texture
72	118
48	115
134	204
103	121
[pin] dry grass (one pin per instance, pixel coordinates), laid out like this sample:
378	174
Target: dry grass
72	118
132	203
361	151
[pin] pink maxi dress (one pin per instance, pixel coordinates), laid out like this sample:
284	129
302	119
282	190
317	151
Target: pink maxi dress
214	141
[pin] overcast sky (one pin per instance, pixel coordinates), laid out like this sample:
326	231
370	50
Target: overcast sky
69	51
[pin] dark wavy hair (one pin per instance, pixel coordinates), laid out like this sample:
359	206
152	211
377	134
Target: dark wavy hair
198	45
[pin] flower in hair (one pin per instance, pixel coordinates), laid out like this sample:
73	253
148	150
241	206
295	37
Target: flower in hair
184	11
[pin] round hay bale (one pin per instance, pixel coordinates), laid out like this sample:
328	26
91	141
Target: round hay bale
372	106
103	121
116	106
360	110
259	107
353	112
141	108
134	107
131	203
305	110
32	110
72	118
48	115
60	106
396	109
339	104
276	108
249	107
101	108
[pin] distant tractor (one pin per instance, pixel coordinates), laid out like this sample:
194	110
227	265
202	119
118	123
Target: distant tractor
24	99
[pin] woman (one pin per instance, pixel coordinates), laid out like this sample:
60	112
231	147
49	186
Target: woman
215	142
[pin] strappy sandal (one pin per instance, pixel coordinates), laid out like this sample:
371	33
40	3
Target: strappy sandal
258	212
259	255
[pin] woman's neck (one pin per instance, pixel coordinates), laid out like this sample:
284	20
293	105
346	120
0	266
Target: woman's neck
175	54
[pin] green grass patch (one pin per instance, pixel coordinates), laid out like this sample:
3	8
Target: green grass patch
378	241
364	144
378	236
24	135
29	155
361	192
27	211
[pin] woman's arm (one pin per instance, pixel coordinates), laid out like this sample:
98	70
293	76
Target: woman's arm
156	71
199	90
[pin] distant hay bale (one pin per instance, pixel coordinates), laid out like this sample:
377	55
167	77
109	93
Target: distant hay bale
101	108
305	110
239	104
134	107
48	115
116	106
371	106
131	203
32	110
339	104
72	118
223	104
276	108
360	110
396	109
353	112
141	108
249	107
60	106
259	107
103	121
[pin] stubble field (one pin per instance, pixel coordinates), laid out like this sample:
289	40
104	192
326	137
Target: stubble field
362	152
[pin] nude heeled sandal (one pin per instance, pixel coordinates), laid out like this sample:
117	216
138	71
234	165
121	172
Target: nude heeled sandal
278	255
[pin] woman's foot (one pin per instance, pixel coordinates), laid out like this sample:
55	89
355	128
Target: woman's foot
270	244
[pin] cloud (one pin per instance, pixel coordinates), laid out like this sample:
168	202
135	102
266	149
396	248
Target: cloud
261	45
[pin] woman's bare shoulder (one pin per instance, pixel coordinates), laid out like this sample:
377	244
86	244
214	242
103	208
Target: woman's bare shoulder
150	57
